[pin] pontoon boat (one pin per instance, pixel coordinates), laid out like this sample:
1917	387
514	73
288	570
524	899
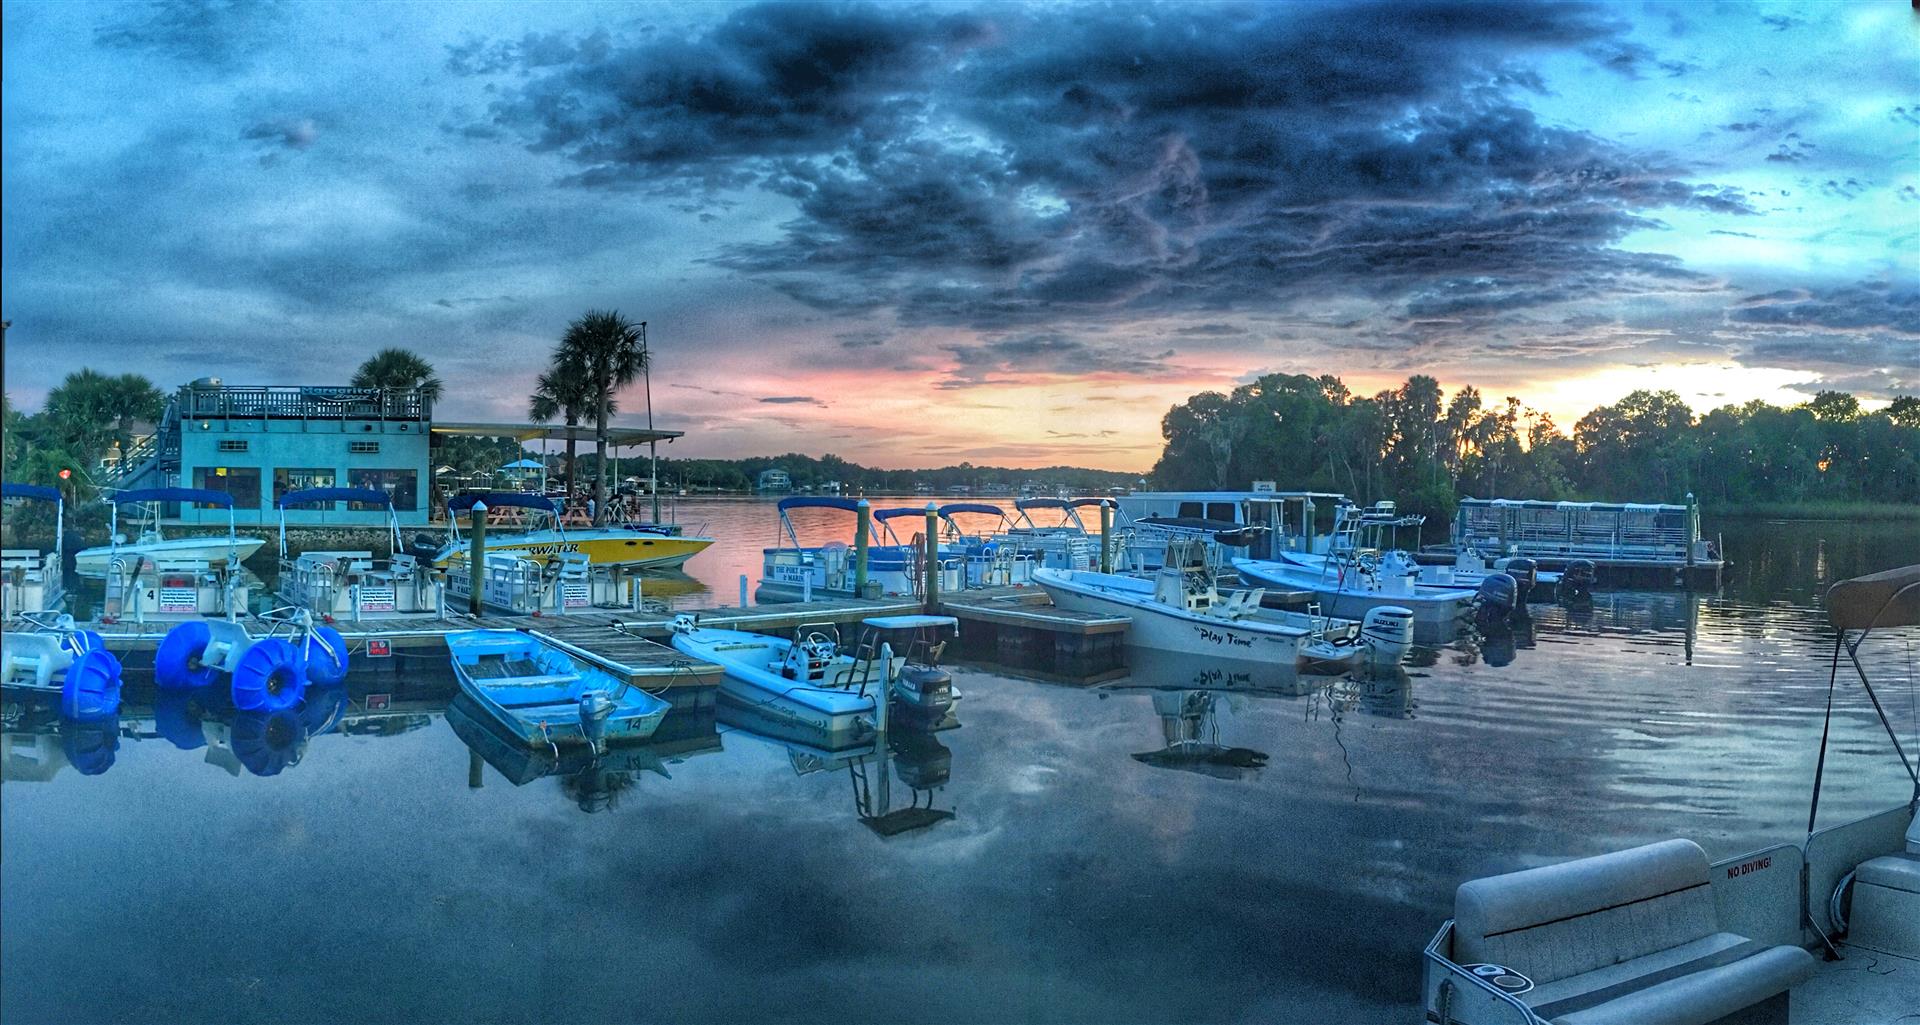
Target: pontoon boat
352	585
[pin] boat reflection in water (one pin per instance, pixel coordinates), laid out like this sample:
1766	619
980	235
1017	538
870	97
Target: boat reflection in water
593	782
917	758
36	743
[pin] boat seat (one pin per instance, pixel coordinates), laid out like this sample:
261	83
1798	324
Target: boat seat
1886	901
1630	936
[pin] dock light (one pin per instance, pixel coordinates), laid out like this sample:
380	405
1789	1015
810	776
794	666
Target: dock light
66	474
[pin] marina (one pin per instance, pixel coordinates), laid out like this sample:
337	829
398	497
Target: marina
1354	796
959	514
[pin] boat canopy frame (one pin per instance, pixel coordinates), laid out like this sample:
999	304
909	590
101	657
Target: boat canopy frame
1855	608
500	499
358	496
156	496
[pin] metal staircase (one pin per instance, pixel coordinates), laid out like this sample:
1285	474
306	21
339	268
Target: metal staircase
148	461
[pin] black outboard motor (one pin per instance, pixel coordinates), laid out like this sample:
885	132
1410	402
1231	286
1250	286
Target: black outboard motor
1493	604
425	547
1526	574
1576	583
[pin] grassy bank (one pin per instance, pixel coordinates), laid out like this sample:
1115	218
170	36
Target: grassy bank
1881	512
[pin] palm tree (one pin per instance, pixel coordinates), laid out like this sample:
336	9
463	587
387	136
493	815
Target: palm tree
562	391
91	409
399	370
605	349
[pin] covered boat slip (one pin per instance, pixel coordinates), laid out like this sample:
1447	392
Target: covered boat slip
1825	930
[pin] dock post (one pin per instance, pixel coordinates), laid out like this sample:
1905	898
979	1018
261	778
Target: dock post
639	599
1106	536
1693	530
806	588
932	592
477	556
353	595
743	590
862	538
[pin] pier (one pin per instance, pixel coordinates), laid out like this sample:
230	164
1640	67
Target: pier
1016	627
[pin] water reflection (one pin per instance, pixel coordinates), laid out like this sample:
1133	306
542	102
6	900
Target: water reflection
592	782
919	763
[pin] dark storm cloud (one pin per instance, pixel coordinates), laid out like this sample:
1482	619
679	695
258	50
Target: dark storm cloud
1881	306
220	34
1047	354
1015	167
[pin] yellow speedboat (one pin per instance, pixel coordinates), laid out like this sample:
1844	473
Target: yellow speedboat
639	546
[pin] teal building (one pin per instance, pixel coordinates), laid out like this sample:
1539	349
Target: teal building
257	443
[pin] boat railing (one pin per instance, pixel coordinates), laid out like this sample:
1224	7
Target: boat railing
303	403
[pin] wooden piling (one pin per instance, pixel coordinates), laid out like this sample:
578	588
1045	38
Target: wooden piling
477	557
862	534
1106	536
932	591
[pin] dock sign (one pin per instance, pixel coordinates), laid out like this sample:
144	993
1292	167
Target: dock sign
379	648
379	702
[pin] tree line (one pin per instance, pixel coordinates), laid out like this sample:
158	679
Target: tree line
1415	445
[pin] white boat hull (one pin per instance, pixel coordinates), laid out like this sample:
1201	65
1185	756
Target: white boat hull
1163	628
93	562
1437	612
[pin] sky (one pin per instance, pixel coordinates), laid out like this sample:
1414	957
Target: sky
913	234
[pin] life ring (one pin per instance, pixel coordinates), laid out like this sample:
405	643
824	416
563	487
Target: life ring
269	678
91	689
325	653
177	666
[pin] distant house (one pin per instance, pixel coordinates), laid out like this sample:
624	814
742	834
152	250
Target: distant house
773	480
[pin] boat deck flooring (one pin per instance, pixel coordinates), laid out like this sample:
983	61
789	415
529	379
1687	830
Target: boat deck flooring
1867	986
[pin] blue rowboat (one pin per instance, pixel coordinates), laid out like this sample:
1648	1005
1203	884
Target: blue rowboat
544	697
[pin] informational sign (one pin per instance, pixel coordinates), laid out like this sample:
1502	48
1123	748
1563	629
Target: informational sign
378	648
379	702
376	599
178	599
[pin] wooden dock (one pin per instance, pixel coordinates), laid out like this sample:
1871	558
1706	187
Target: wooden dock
1014	626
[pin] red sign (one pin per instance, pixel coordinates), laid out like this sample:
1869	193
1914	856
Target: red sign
379	702
379	649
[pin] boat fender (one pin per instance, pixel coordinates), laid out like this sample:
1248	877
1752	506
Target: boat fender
177	664
271	677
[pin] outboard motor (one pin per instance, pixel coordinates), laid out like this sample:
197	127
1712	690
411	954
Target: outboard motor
595	707
1495	600
927	690
1387	635
1526	576
425	547
1576	583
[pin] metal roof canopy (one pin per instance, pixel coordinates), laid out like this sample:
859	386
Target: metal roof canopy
617	437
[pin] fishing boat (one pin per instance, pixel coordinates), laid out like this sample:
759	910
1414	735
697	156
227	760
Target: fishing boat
542	696
625	547
806	681
1180	610
30	579
794	571
1352	588
183	578
1823	930
352	584
1376	529
217	553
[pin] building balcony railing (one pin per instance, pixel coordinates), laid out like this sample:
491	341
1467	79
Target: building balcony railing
205	402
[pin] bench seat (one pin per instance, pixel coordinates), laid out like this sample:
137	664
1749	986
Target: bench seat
1628	937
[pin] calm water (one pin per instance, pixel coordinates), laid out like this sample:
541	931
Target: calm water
1084	875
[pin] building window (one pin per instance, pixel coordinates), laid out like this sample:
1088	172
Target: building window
242	482
289	478
402	486
233	444
363	447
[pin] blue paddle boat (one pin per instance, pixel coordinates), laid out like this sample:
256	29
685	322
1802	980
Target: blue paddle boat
544	697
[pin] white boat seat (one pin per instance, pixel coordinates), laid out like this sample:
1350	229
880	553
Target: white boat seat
1625	937
1894	871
